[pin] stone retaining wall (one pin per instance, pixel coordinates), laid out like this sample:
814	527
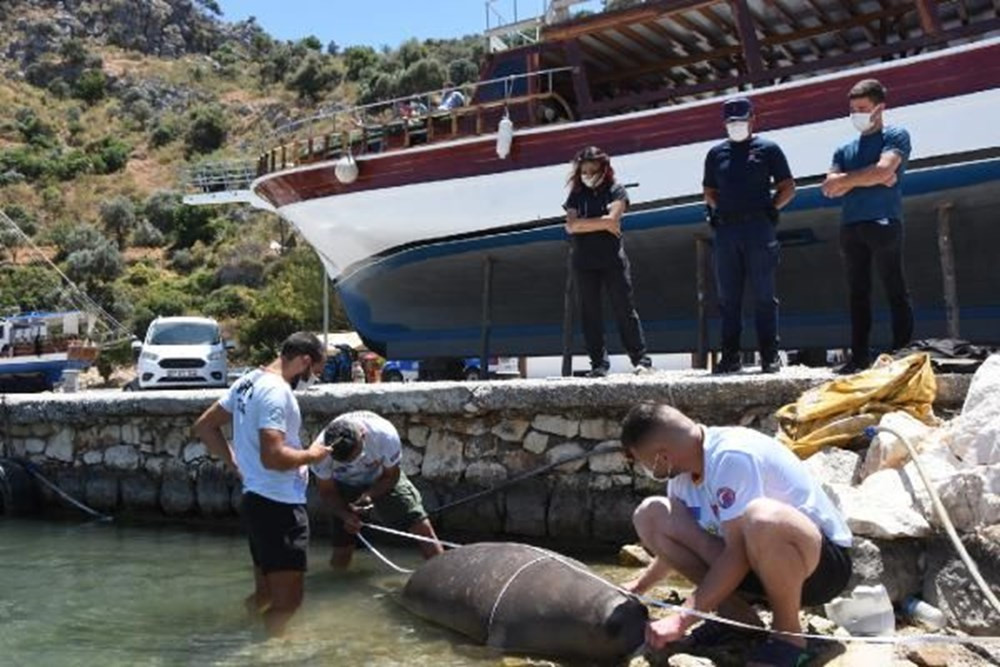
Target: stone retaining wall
134	452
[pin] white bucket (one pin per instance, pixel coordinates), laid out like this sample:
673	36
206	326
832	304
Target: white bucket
867	612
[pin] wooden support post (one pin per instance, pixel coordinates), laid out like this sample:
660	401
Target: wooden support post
284	156
487	320
947	251
702	247
581	88
748	37
569	304
930	21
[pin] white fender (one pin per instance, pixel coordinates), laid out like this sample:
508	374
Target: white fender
346	170
505	137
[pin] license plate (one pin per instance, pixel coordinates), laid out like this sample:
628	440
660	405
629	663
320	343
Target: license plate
182	374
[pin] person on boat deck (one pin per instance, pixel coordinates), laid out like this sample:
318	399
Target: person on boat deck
362	473
740	174
451	98
741	519
268	455
868	173
594	211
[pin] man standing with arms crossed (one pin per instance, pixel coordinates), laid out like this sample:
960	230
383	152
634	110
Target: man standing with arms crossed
739	176
867	172
267	453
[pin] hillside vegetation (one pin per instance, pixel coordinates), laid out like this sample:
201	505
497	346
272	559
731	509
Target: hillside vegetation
107	102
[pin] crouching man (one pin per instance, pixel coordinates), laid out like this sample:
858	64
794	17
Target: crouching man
742	519
362	473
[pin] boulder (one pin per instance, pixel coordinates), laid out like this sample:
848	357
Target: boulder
834	465
565	451
899	565
880	507
949	585
888	451
556	425
974	436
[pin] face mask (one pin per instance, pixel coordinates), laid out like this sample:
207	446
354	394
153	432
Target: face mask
862	121
651	472
592	180
301	384
738	130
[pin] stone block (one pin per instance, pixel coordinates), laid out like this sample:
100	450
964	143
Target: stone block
469	426
109	434
101	490
130	434
565	452
480	517
60	447
834	465
898	565
121	457
195	451
569	513
881	507
480	446
16	447
418	436
412	461
177	495
443	459
612	516
613	461
173	442
600	429
536	442
621	480
526	509
93	457
34	446
154	465
949	586
140	492
556	425
600	482
212	490
518	461
485	473
511	430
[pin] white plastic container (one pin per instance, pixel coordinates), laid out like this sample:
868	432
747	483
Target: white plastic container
924	613
867	612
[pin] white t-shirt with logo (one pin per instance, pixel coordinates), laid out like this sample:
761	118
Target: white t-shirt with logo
741	465
380	449
260	400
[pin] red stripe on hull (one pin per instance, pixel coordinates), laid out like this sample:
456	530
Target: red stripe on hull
923	81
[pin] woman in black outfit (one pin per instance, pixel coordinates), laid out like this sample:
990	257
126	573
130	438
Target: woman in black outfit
594	211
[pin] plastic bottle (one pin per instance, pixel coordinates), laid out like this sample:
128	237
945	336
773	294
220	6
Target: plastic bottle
867	612
924	613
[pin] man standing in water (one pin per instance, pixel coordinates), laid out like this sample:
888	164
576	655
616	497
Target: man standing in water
268	454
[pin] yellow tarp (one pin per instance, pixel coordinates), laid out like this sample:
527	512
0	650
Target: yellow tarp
837	413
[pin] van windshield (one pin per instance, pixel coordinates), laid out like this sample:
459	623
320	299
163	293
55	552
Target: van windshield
184	333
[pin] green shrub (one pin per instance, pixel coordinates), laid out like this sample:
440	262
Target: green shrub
119	219
358	59
207	129
109	155
182	260
148	236
72	164
229	301
70	238
90	86
423	75
99	264
314	77
26	288
462	71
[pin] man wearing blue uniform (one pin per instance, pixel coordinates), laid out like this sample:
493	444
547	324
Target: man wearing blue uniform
868	172
740	174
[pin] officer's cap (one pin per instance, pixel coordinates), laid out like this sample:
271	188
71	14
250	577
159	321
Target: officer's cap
738	108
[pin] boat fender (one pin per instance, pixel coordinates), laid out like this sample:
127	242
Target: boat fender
346	170
505	137
18	492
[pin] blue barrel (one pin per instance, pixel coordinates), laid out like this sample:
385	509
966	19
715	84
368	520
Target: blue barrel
18	490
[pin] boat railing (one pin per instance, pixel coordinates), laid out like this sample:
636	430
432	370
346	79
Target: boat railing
392	124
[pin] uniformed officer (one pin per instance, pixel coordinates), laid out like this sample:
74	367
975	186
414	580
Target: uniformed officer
594	211
747	181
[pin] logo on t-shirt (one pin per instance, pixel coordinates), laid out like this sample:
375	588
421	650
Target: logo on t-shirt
726	497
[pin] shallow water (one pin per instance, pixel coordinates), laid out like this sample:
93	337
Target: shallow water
104	594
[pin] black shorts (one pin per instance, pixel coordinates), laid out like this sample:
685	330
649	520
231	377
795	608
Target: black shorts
278	533
827	581
400	508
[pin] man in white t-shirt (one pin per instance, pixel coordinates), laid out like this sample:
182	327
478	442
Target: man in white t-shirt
267	453
741	517
361	473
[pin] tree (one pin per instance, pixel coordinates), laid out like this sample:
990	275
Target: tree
10	238
332	48
27	288
314	77
410	52
108	155
74	52
212	6
72	238
161	210
207	129
357	59
462	71
421	76
119	219
312	43
90	86
99	264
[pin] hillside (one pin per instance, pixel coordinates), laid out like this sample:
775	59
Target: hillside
107	102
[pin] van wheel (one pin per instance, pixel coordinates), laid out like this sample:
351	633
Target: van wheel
132	385
471	374
392	375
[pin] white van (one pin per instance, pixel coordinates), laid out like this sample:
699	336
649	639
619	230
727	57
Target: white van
182	352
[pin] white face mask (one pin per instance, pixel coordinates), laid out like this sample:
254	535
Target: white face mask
651	472
305	383
862	121
592	181
738	130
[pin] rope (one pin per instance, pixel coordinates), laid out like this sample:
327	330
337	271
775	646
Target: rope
381	557
65	496
417	538
946	520
503	591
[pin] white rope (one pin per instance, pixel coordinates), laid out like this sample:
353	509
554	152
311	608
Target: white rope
412	536
378	554
503	591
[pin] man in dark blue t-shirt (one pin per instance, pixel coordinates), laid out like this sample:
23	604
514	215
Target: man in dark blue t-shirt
739	176
868	172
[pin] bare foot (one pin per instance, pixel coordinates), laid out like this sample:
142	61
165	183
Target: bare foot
254	607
